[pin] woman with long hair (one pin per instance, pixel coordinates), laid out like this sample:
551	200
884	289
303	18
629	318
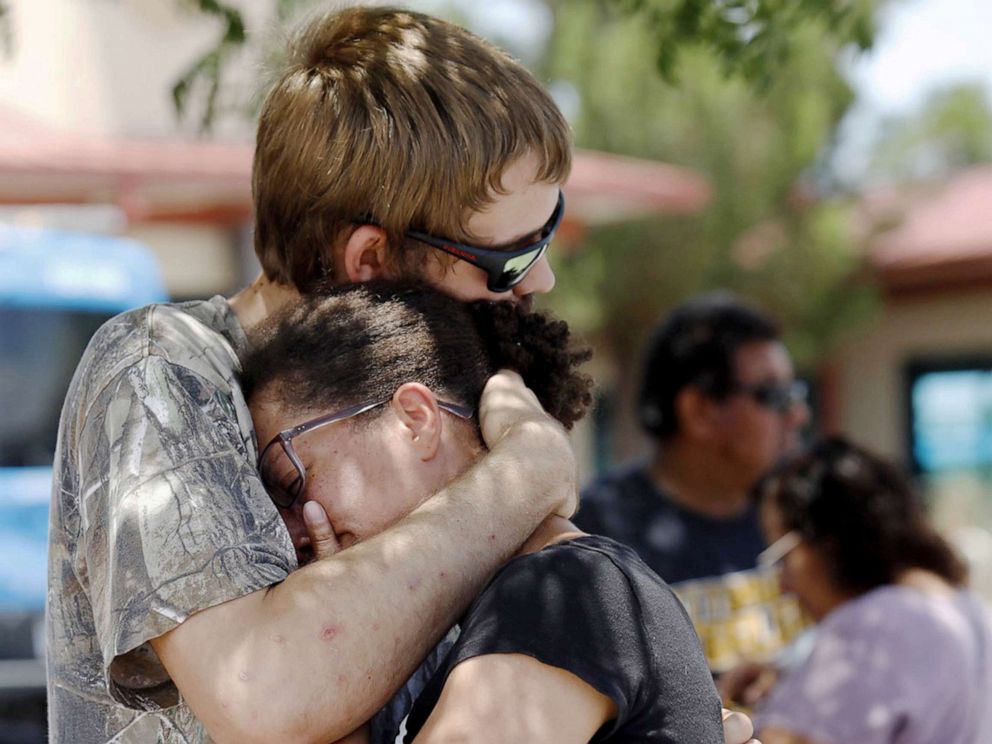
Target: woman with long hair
902	651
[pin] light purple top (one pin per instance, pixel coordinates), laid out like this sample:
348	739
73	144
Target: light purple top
894	666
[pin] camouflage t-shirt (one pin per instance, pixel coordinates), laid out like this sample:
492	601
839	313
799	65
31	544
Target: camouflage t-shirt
157	512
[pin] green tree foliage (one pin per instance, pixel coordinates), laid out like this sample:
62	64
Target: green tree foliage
6	37
952	129
762	235
748	38
206	71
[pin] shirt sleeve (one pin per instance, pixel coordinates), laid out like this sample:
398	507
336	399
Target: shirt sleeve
575	609
173	516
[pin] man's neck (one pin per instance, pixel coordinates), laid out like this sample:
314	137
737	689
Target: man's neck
259	300
697	481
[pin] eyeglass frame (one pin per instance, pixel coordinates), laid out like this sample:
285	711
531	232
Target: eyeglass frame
777	552
286	437
787	395
494	261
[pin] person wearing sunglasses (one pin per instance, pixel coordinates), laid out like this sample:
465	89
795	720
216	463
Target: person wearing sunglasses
903	649
163	538
720	405
366	400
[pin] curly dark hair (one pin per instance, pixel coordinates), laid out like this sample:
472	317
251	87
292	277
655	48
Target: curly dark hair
695	345
349	344
862	512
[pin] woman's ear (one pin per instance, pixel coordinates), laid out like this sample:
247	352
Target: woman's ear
415	405
364	254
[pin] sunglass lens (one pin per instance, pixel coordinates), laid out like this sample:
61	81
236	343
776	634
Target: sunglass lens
775	397
515	269
781	398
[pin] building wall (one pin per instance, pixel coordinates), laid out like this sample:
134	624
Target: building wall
871	366
197	260
107	67
97	66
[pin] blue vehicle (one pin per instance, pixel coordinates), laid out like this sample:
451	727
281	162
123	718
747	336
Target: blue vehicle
56	289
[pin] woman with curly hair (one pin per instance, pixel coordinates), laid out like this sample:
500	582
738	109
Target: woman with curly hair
364	402
903	651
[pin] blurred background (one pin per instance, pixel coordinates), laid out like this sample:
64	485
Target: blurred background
831	161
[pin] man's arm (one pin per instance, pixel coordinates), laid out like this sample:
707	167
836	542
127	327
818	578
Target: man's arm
313	657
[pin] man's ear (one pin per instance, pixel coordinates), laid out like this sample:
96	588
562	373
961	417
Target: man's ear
696	413
416	408
364	254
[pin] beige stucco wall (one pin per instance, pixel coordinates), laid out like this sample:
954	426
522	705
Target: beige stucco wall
871	365
98	67
197	260
107	67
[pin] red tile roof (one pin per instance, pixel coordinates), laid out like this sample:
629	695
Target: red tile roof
943	236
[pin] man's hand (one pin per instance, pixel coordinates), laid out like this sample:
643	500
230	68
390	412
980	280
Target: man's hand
747	683
737	728
508	410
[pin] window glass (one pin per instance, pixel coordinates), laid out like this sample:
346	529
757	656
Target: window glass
39	350
951	413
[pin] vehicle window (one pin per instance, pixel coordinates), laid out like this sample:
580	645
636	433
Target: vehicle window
39	350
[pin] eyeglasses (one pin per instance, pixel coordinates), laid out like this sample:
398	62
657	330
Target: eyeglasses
775	396
775	553
285	495
504	269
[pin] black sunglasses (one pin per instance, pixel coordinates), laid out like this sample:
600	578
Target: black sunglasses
775	396
505	269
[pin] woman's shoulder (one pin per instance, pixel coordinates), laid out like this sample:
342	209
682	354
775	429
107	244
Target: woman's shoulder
590	575
912	598
909	616
580	555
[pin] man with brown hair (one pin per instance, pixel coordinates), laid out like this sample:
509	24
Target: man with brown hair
393	143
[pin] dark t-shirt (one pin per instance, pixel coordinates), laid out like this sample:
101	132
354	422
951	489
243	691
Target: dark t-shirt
676	543
591	607
711	564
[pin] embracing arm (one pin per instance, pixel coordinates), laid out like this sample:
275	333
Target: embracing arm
316	655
